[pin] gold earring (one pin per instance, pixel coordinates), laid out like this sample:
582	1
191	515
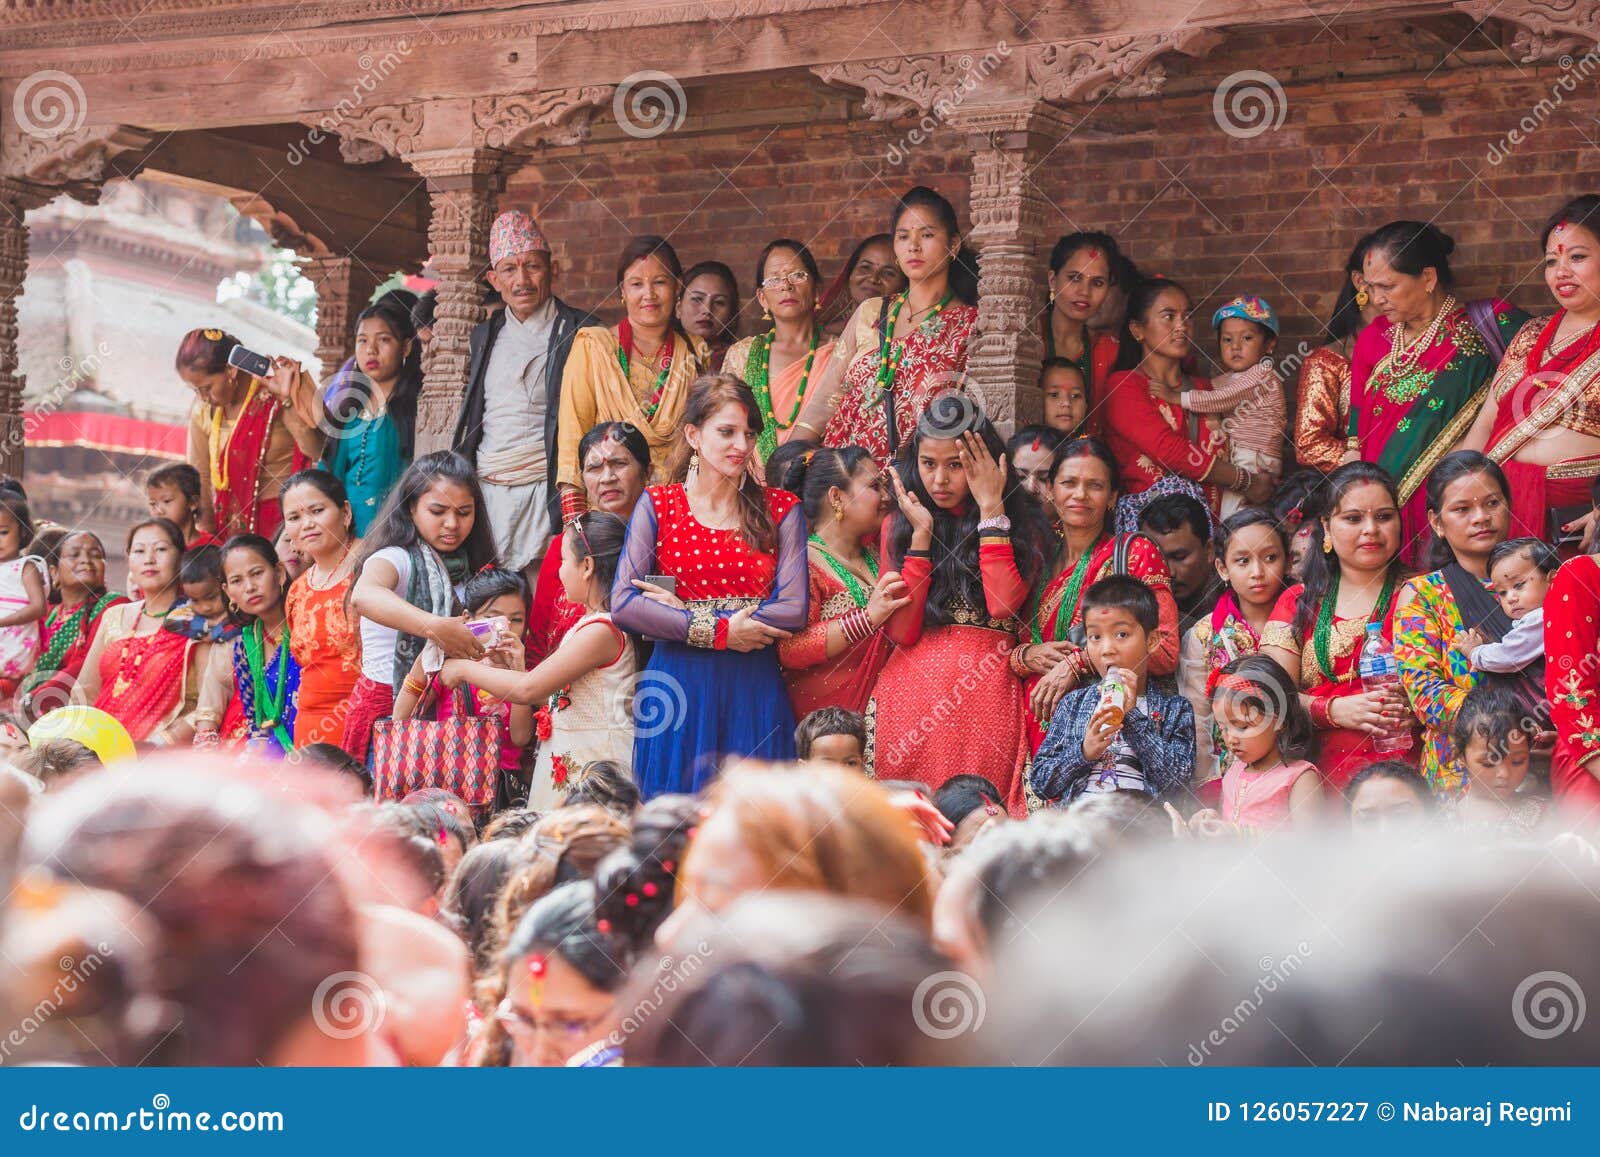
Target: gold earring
1052	293
838	512
694	460
1362	298
766	313
1327	545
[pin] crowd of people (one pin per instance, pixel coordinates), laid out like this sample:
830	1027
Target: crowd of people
699	645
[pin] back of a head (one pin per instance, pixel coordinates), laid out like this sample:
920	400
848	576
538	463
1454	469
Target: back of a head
1013	863
825	829
252	914
787	978
1307	951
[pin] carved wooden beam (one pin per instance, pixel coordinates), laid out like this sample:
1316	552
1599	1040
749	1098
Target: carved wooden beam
1546	29
16	198
527	120
77	160
1093	69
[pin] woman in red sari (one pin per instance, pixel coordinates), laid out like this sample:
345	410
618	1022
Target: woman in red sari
1084	483
969	542
1542	419
900	353
1317	629
835	660
1572	681
246	434
80	600
1420	373
136	670
1160	447
1083	270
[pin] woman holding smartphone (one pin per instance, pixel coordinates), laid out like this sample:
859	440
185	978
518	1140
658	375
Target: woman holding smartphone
247	434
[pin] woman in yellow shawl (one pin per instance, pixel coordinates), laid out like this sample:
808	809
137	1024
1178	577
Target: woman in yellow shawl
638	371
778	365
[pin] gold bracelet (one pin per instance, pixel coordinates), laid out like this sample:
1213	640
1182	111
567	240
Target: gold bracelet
702	628
413	686
808	426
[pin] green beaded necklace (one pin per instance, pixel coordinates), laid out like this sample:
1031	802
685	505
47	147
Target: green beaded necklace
889	354
1069	601
268	716
1321	633
846	576
756	378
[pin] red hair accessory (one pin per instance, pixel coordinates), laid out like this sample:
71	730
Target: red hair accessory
1235	683
1293	519
649	888
632	899
669	866
603	927
444	836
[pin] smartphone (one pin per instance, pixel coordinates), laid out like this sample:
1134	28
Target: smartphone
252	363
491	632
666	582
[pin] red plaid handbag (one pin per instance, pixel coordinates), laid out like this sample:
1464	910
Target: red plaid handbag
460	754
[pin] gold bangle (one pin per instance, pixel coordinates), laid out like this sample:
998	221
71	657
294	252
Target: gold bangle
808	426
413	686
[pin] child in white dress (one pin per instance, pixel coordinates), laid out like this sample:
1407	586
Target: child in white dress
584	689
24	585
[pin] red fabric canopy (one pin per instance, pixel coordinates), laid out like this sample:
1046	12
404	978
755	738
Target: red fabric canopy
109	432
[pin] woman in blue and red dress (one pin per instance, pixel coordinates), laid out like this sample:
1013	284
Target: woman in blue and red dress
736	552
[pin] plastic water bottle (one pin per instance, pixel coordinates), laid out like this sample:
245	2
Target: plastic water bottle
1381	670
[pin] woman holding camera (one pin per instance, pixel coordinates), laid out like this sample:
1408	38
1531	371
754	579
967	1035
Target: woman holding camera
247	434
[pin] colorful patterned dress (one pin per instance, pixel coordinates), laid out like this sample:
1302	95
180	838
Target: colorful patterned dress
697	702
1540	387
1342	751
1572	678
1210	645
323	641
67	636
1408	416
19	644
1160	447
1322	417
932	360
588	721
847	679
1057	607
1435	677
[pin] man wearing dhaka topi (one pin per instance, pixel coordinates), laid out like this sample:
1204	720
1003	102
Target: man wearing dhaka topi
508	418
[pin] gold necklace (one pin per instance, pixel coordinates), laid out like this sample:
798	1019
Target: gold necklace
1402	354
333	575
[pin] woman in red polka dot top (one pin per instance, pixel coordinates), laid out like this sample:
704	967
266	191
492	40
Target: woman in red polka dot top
736	552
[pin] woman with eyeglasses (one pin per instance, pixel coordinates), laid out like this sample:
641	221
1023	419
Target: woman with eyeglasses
778	365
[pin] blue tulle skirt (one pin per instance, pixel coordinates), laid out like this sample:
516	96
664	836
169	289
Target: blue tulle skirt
694	707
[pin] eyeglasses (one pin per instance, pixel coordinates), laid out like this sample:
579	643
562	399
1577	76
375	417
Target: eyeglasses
797	278
522	1028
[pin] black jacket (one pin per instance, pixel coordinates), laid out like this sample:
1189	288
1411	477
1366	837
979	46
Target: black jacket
469	426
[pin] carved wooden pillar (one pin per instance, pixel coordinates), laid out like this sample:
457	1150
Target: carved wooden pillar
344	286
16	198
1009	231
464	186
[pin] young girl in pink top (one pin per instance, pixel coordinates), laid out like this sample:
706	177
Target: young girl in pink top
1268	733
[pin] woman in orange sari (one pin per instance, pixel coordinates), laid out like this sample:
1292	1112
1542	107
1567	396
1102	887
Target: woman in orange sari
1317	630
1084	483
834	660
135	670
1322	411
320	524
246	434
1542	420
778	365
899	354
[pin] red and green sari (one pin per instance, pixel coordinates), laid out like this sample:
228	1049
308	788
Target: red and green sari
1057	607
1408	417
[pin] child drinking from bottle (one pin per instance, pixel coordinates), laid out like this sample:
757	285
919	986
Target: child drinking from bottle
1121	733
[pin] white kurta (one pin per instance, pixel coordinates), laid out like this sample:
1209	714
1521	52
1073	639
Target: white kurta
511	457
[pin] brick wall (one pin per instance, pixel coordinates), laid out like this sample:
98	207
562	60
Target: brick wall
1380	122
